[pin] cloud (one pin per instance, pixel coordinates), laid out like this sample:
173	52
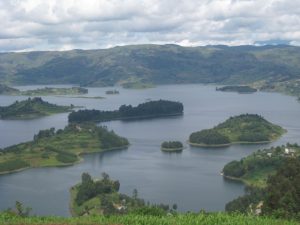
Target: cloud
65	24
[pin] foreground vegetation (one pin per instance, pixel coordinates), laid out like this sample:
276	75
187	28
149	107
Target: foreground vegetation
279	198
31	108
255	169
149	109
59	148
147	219
242	129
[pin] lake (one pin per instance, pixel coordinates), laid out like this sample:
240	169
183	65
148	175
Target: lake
190	179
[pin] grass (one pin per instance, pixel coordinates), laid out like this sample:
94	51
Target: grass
132	219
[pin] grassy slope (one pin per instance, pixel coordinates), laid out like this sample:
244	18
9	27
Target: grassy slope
43	152
180	219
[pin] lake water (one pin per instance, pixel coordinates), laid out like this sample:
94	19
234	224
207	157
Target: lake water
191	179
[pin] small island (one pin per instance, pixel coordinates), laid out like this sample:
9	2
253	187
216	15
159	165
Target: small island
6	90
255	169
172	146
151	109
137	85
242	129
31	108
59	148
112	92
241	89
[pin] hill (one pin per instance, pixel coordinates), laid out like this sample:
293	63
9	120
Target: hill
154	64
151	109
6	90
59	148
242	129
31	108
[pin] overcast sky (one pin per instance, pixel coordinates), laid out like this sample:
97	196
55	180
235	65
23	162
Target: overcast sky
88	24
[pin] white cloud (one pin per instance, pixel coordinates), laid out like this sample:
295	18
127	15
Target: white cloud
65	24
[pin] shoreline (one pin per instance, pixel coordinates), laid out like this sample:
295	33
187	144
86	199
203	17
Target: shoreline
171	149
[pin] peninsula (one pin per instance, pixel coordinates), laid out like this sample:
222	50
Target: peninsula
242	129
151	109
59	148
241	89
255	169
31	108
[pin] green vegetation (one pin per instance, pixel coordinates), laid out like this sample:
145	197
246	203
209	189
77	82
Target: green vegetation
137	85
59	148
112	92
6	90
172	146
219	218
239	89
242	129
290	87
279	198
149	109
31	108
256	168
155	64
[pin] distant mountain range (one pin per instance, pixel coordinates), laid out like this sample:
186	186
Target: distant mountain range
155	64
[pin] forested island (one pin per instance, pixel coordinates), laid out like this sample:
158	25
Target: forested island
6	90
242	129
59	148
273	182
242	89
31	108
172	146
149	109
137	85
255	169
112	92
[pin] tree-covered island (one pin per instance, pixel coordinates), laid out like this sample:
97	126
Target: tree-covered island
172	146
242	89
59	148
149	109
31	108
242	129
6	90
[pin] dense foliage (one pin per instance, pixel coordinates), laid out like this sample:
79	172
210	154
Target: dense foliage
143	110
236	88
6	90
32	107
55	91
245	128
62	147
172	145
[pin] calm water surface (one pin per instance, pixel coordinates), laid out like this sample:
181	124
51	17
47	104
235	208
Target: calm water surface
191	179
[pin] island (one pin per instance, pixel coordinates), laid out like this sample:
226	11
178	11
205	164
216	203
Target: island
6	90
241	89
255	169
150	109
242	129
137	85
172	146
112	92
31	108
59	148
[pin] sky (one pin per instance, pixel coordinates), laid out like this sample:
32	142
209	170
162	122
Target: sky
28	25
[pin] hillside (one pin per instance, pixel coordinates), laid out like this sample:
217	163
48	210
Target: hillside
6	90
154	64
59	148
133	219
242	129
31	108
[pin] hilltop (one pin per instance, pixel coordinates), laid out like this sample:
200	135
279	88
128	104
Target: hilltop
31	108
